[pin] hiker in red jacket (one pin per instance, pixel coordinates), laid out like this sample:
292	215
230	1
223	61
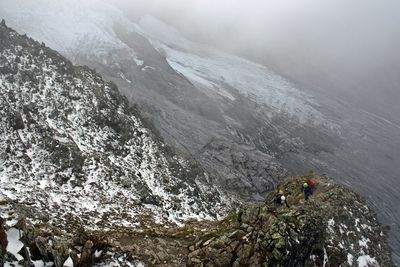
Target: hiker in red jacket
311	184
308	188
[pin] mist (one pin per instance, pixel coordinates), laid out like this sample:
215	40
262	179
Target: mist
343	53
347	49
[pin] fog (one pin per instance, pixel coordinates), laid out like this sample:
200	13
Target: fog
348	49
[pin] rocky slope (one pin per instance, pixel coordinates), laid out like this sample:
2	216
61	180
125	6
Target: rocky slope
333	228
86	183
74	152
247	125
189	109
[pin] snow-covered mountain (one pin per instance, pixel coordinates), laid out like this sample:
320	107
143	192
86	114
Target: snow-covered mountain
245	124
90	30
189	116
74	150
216	71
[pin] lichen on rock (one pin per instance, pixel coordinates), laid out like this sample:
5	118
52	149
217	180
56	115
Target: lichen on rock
323	231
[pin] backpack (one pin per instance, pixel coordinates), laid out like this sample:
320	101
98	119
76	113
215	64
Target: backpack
311	183
278	199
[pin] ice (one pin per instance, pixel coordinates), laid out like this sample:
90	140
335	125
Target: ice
326	258
138	62
98	253
14	244
364	242
68	263
38	263
43	264
350	259
189	73
367	260
211	68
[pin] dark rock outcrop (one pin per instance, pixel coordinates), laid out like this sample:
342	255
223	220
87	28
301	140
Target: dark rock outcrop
3	242
247	172
333	228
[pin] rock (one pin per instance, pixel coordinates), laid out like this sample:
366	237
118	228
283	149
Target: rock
18	123
277	236
3	241
277	254
281	243
234	245
236	234
75	258
223	259
41	244
193	261
162	256
60	253
208	241
87	257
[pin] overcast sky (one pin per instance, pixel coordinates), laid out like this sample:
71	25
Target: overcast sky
355	31
262	22
348	46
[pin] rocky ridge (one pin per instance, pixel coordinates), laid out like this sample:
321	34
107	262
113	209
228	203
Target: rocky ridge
333	228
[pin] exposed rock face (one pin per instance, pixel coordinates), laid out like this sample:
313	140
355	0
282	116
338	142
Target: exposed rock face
195	94
3	240
73	151
333	228
247	171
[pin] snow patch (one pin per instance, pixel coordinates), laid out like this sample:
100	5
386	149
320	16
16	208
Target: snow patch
326	258
366	260
68	262
363	243
14	244
350	259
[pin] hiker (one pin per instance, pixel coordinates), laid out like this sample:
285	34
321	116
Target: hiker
280	199
311	184
308	188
